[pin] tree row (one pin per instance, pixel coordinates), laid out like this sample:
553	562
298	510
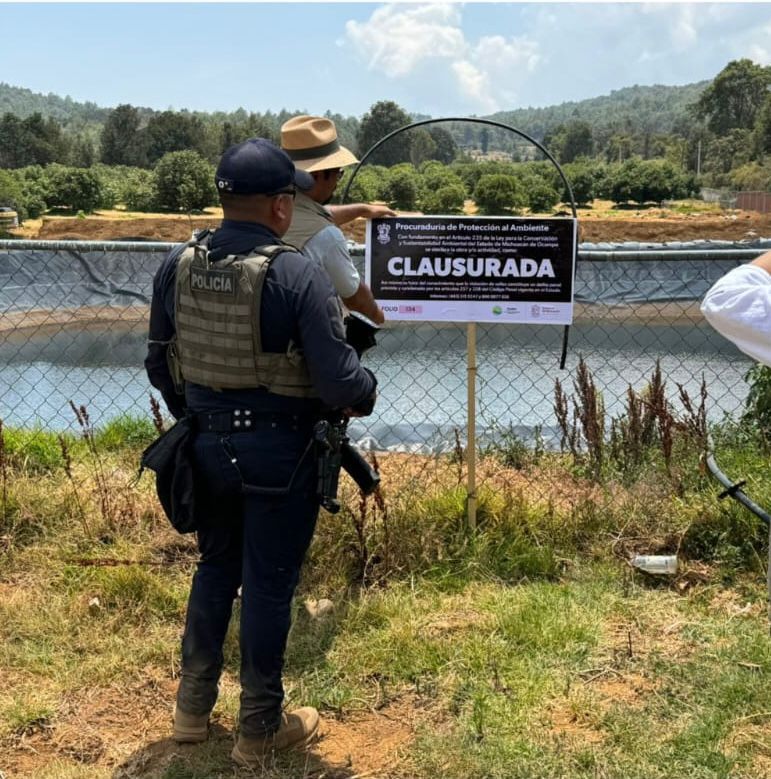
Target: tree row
182	181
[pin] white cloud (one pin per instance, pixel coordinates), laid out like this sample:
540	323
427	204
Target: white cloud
483	57
758	48
684	31
679	25
474	85
760	54
401	41
395	39
506	62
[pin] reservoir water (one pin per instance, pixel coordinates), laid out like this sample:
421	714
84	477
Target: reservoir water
421	370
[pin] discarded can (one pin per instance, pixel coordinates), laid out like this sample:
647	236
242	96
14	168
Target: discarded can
656	563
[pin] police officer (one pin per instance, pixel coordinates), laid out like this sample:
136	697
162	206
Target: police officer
312	143
254	330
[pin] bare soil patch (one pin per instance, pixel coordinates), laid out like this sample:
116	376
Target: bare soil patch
599	224
372	742
107	228
628	688
661	226
569	725
126	730
577	721
43	321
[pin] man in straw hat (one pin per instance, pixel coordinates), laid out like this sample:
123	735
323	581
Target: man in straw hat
257	338
311	142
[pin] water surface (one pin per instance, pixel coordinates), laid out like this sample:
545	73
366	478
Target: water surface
421	371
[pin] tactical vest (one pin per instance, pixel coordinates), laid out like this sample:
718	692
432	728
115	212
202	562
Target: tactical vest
218	342
309	218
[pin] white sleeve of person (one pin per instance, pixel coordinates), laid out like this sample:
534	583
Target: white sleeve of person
738	306
329	247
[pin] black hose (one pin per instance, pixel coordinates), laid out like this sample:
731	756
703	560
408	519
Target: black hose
734	490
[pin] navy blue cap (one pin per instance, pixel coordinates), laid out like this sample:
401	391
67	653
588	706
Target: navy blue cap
258	167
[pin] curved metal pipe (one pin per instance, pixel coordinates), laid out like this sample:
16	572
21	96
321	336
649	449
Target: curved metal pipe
492	123
734	489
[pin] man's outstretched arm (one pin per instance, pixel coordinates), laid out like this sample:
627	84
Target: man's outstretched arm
342	214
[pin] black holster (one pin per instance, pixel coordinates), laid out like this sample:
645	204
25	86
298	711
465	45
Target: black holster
333	447
171	458
334	451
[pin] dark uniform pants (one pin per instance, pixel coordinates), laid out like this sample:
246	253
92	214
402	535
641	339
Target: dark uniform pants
254	541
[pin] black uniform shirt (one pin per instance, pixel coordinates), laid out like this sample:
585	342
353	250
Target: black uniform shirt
298	304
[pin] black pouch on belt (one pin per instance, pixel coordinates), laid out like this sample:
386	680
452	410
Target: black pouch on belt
170	457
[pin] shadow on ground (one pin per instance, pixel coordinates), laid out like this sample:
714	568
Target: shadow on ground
165	759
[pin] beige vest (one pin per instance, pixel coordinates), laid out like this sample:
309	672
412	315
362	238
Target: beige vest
218	341
309	218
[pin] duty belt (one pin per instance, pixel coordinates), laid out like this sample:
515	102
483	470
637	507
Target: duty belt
246	420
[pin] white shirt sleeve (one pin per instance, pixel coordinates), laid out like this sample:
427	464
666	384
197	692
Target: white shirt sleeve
329	248
738	306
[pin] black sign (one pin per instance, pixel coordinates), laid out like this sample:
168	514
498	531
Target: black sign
473	269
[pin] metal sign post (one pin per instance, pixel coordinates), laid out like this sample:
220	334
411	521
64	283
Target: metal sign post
407	308
471	427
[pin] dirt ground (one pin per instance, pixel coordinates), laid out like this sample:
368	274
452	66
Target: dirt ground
125	730
601	223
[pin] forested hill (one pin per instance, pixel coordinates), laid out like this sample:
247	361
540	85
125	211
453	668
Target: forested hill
654	109
23	103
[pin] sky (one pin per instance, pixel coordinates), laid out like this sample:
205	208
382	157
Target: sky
441	59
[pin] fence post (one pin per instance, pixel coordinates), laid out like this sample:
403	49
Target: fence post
471	427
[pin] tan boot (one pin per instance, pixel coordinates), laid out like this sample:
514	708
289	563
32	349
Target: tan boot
296	731
190	728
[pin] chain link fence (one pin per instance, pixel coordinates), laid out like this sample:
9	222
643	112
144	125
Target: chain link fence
73	325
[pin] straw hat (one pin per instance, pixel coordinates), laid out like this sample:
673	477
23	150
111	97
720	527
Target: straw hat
311	142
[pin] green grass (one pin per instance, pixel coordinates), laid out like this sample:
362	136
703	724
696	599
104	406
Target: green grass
126	431
33	450
695	207
36	450
532	666
529	649
532	680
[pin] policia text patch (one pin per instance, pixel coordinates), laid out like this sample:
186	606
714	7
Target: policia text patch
222	282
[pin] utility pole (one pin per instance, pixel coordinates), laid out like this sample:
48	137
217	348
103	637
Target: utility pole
698	158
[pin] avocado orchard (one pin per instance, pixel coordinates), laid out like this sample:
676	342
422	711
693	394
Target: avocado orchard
182	181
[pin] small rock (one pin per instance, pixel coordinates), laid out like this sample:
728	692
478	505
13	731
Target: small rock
318	609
